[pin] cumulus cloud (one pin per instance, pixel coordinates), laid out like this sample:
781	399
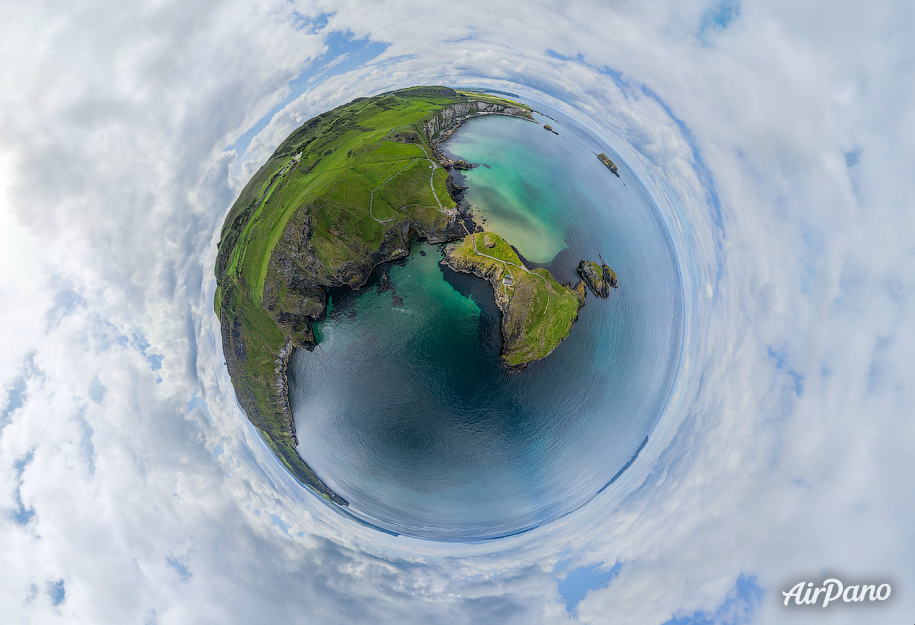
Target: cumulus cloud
775	140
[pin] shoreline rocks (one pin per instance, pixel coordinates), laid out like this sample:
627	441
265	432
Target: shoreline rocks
452	163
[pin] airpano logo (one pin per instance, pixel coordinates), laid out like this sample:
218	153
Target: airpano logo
832	590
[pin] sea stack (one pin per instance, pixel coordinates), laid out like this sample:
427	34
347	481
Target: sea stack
599	278
610	164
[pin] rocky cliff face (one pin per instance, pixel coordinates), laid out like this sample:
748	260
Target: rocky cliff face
443	123
580	292
294	291
259	333
609	276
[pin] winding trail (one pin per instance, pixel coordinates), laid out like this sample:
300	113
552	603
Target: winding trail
433	164
372	195
432	183
473	239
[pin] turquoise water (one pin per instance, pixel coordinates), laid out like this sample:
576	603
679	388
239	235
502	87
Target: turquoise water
404	410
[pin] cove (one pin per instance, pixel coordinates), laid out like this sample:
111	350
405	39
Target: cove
403	408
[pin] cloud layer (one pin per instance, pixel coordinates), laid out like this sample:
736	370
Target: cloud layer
777	143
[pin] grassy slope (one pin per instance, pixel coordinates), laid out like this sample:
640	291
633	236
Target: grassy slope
328	168
347	159
540	310
597	269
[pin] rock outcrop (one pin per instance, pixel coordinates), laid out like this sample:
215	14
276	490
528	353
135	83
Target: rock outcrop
580	292
450	163
444	122
599	278
454	189
610	164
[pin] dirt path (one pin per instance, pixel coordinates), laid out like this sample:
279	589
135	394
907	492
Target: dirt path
434	165
473	240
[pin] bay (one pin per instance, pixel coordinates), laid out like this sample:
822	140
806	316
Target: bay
403	408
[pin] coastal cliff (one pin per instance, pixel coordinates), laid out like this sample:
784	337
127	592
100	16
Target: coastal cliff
334	201
443	123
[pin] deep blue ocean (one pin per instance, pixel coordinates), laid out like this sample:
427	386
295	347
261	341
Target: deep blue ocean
403	408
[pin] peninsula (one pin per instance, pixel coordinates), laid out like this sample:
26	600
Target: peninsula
537	311
345	192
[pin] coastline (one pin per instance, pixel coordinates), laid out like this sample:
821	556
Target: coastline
464	218
448	132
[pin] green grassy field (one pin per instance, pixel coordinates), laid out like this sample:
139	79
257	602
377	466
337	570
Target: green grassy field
345	191
540	312
342	163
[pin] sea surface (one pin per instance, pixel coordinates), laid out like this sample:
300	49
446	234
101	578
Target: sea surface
403	408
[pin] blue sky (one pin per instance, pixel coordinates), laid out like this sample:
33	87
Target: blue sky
775	139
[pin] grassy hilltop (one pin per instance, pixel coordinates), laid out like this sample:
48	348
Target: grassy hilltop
346	191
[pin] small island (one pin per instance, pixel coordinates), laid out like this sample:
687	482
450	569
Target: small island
537	311
599	278
610	164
